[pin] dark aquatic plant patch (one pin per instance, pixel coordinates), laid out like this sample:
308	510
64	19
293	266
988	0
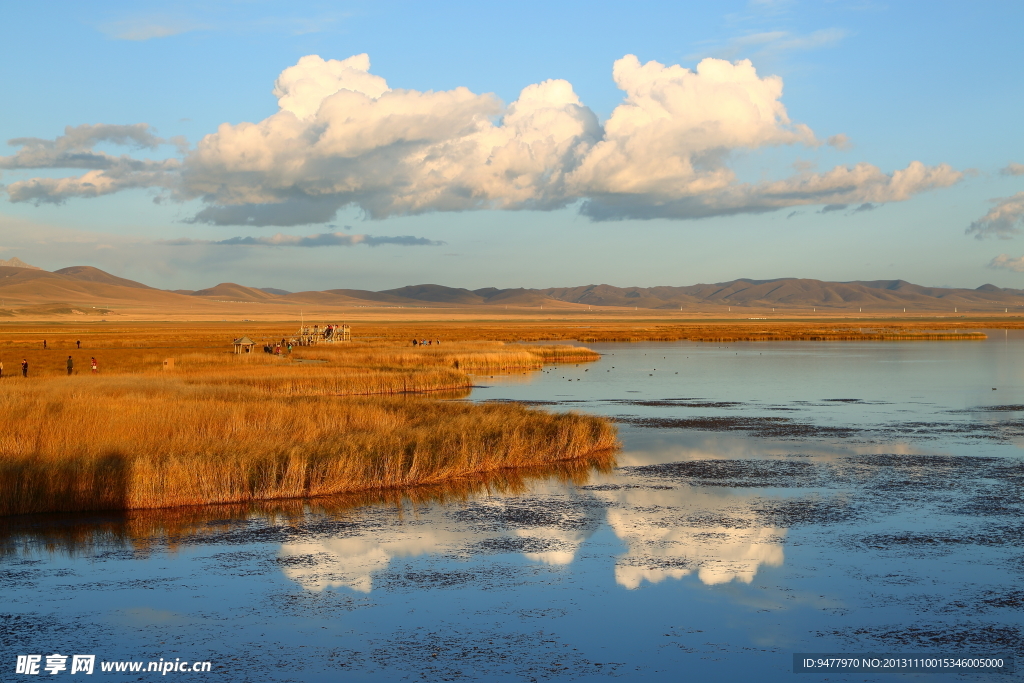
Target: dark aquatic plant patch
765	427
1007	500
426	579
993	637
716	520
817	511
931	462
23	631
513	544
1003	430
1016	408
650	562
454	652
1013	599
677	403
565	514
735	473
971	485
992	536
623	487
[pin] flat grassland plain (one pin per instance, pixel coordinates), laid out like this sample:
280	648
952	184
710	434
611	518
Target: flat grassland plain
367	415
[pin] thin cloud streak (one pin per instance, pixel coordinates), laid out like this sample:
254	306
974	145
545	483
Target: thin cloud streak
327	239
143	27
770	44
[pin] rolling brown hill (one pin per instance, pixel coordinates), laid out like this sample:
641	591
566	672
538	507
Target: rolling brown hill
88	286
24	286
229	291
791	292
90	274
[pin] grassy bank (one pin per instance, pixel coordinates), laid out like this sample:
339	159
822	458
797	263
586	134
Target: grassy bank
128	343
140	529
222	428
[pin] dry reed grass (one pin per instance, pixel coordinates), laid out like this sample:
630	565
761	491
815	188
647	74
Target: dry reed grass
232	428
68	447
122	340
141	529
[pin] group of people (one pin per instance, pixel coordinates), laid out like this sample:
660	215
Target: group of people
70	364
93	364
277	349
425	342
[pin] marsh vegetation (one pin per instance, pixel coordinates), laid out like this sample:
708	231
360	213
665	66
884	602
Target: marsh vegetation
222	427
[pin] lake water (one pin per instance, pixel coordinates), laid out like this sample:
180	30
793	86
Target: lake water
769	499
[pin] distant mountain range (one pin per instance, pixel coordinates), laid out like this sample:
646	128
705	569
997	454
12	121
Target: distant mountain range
24	285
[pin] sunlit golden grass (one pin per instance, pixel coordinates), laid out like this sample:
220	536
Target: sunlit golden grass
356	368
139	529
119	346
473	357
223	427
70	447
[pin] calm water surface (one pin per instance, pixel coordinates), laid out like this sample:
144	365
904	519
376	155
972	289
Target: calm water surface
769	499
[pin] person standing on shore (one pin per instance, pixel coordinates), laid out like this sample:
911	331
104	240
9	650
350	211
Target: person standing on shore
71	365
79	342
95	368
24	367
44	345
1	368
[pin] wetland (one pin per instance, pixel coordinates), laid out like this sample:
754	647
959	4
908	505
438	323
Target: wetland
768	498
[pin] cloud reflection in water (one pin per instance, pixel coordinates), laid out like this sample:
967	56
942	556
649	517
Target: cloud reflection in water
669	532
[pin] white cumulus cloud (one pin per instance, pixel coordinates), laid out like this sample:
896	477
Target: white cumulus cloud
343	137
301	88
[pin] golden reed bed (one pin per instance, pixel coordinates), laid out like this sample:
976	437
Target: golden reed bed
222	428
137	529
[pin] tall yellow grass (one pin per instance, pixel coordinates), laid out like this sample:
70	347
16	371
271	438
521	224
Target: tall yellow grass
139	528
225	428
473	357
69	447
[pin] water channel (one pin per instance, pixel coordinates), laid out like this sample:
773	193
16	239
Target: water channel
769	499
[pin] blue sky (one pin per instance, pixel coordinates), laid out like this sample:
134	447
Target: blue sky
896	131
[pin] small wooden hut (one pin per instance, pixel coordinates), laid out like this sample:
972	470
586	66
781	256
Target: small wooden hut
244	345
310	335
